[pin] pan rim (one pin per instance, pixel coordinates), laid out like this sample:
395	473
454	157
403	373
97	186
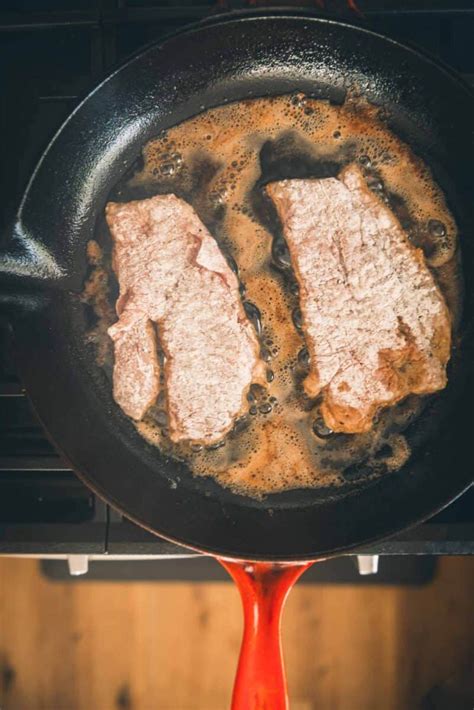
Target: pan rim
349	549
230	18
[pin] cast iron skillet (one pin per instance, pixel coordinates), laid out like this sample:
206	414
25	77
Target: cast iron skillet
203	66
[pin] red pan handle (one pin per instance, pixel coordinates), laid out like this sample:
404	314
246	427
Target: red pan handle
260	682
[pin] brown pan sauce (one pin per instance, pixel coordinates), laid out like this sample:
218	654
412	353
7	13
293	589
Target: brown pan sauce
219	161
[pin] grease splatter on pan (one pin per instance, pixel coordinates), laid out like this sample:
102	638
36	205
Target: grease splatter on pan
219	161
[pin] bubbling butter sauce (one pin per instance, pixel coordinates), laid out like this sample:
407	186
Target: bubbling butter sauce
218	161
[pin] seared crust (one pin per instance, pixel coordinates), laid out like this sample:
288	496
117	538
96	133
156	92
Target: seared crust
137	375
172	273
376	325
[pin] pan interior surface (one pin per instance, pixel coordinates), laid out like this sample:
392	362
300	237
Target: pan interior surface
220	162
160	88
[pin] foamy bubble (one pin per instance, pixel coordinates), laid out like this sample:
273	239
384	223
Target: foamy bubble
217	163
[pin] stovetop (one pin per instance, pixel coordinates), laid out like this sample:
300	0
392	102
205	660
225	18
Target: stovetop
52	52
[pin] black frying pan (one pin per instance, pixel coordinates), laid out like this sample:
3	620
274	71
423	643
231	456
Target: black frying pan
203	66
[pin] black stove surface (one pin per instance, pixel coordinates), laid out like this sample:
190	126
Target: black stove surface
51	53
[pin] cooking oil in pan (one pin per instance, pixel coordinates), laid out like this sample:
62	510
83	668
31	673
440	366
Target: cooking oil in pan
219	161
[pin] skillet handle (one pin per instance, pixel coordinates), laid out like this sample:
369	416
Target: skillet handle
26	269
260	682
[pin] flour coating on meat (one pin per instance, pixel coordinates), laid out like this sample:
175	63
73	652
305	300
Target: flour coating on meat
176	284
137	375
376	325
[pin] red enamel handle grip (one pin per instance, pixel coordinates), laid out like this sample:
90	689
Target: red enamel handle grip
260	682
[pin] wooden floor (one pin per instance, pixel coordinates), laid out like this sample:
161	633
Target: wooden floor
144	646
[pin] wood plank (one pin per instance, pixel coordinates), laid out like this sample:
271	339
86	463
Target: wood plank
143	646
